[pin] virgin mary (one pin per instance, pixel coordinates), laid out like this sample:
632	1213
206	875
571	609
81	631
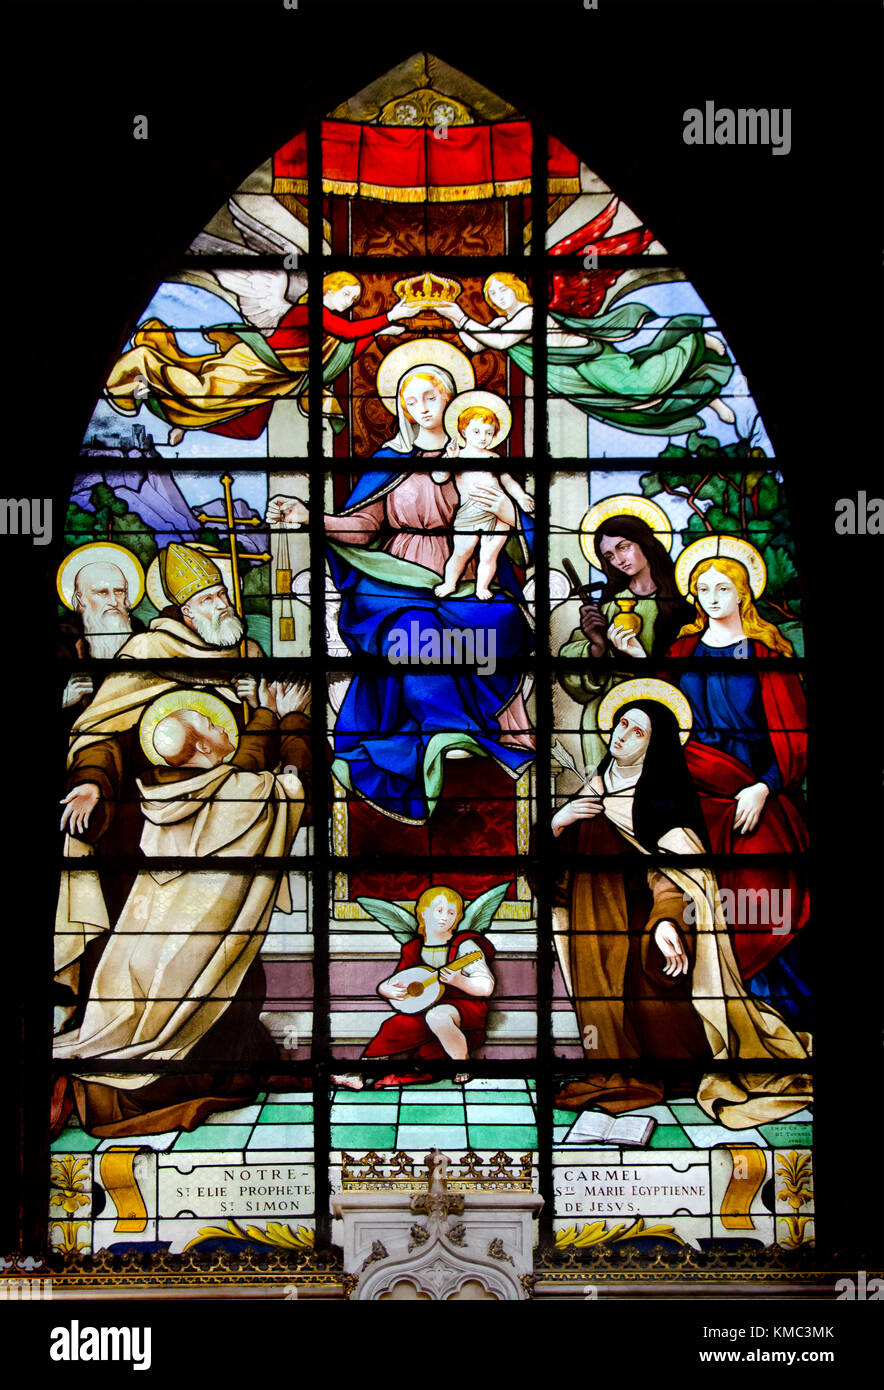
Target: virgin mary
648	956
387	551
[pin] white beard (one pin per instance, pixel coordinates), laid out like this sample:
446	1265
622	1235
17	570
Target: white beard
107	634
217	631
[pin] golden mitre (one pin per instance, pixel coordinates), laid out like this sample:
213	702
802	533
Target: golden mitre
185	572
427	290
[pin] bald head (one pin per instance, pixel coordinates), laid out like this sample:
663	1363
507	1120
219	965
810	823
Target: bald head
186	738
101	584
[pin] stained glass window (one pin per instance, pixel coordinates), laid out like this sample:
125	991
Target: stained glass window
415	804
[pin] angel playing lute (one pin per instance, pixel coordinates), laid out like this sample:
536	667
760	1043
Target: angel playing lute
442	982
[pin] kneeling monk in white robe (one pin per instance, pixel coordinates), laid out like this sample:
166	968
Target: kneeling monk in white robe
180	977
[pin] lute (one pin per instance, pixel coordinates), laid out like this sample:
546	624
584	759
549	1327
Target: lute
423	988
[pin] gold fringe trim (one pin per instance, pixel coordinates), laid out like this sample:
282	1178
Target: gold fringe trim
512	188
345	186
414	194
563	185
436	193
451	193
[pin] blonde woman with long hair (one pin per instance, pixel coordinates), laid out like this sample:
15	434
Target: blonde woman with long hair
748	748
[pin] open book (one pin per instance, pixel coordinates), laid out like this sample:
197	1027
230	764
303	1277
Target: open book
594	1127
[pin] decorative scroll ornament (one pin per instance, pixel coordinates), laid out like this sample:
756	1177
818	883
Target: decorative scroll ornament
117	1170
424	107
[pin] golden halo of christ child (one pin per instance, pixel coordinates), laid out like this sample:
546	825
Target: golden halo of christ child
477	422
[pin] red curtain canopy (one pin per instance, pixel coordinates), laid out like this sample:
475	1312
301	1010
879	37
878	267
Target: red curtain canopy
407	164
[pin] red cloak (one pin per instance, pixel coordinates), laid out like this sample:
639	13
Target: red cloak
718	776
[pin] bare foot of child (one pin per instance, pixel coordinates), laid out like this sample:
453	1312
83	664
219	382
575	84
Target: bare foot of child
443	590
482	593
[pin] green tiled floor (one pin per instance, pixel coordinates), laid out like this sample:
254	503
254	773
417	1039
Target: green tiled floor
484	1114
481	1114
681	1124
278	1122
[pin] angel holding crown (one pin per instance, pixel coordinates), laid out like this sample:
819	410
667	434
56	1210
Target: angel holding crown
654	389
442	981
231	390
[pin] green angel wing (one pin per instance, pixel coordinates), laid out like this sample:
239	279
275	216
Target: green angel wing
478	915
401	923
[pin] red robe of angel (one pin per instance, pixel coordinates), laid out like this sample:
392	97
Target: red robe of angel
410	1032
290	333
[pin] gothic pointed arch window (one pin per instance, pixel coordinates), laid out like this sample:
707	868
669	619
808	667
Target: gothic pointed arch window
431	644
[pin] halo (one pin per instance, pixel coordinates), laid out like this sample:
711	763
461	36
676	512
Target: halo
100	550
624	504
484	398
422	352
645	688
209	705
157	594
729	548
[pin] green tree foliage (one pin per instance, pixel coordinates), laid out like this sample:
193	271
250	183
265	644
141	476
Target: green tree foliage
749	504
256	588
110	521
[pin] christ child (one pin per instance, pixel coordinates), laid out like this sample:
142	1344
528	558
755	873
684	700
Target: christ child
480	516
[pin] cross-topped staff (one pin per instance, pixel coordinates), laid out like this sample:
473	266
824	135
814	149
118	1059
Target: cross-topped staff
232	522
226	481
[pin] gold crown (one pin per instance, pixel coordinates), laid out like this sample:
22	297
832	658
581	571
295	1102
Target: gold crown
427	289
185	572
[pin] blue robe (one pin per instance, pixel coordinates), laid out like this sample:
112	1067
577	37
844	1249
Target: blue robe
393	730
729	712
